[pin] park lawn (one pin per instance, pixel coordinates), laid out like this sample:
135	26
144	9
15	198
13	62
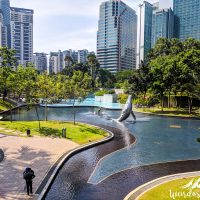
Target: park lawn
169	112
167	190
79	133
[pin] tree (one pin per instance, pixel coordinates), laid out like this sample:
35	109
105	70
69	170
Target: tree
7	61
93	65
77	87
140	81
105	79
45	90
189	77
122	79
68	66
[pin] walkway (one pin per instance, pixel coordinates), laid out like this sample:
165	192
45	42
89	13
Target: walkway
138	192
36	152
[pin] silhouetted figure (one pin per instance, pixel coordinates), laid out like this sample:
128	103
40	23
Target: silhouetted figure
29	176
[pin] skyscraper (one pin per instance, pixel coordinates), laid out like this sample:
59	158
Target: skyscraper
162	25
40	61
117	36
154	23
22	34
187	19
5	20
144	30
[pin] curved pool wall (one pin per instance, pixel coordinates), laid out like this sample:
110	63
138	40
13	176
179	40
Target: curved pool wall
159	140
88	102
71	181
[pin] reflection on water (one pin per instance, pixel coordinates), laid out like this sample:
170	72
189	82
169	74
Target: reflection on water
156	141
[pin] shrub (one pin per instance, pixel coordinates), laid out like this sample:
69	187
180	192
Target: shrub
102	92
122	98
110	92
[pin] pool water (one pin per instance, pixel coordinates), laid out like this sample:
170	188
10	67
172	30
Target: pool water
88	102
158	139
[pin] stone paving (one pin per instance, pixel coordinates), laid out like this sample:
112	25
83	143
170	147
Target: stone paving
39	153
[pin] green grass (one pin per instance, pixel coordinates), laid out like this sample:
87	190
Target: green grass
170	112
4	105
162	192
79	133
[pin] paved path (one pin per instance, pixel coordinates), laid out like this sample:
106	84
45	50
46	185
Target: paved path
39	153
138	192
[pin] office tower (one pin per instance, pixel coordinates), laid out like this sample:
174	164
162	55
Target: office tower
56	64
154	23
5	23
22	34
117	36
144	30
187	19
162	25
40	61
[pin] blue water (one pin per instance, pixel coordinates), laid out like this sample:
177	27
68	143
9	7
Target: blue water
157	142
88	102
158	139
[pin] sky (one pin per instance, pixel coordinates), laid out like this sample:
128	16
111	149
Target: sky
66	24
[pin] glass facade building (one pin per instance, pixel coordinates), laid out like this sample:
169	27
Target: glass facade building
22	34
117	36
154	23
5	11
187	18
144	30
162	25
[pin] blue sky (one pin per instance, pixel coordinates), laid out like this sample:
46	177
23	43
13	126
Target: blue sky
65	24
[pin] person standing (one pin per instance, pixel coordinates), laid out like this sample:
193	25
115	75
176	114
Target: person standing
29	175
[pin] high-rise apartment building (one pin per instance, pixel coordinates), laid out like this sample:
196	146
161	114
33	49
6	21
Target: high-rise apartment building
56	63
162	25
117	36
40	61
5	23
187	19
22	34
82	56
3	31
68	62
